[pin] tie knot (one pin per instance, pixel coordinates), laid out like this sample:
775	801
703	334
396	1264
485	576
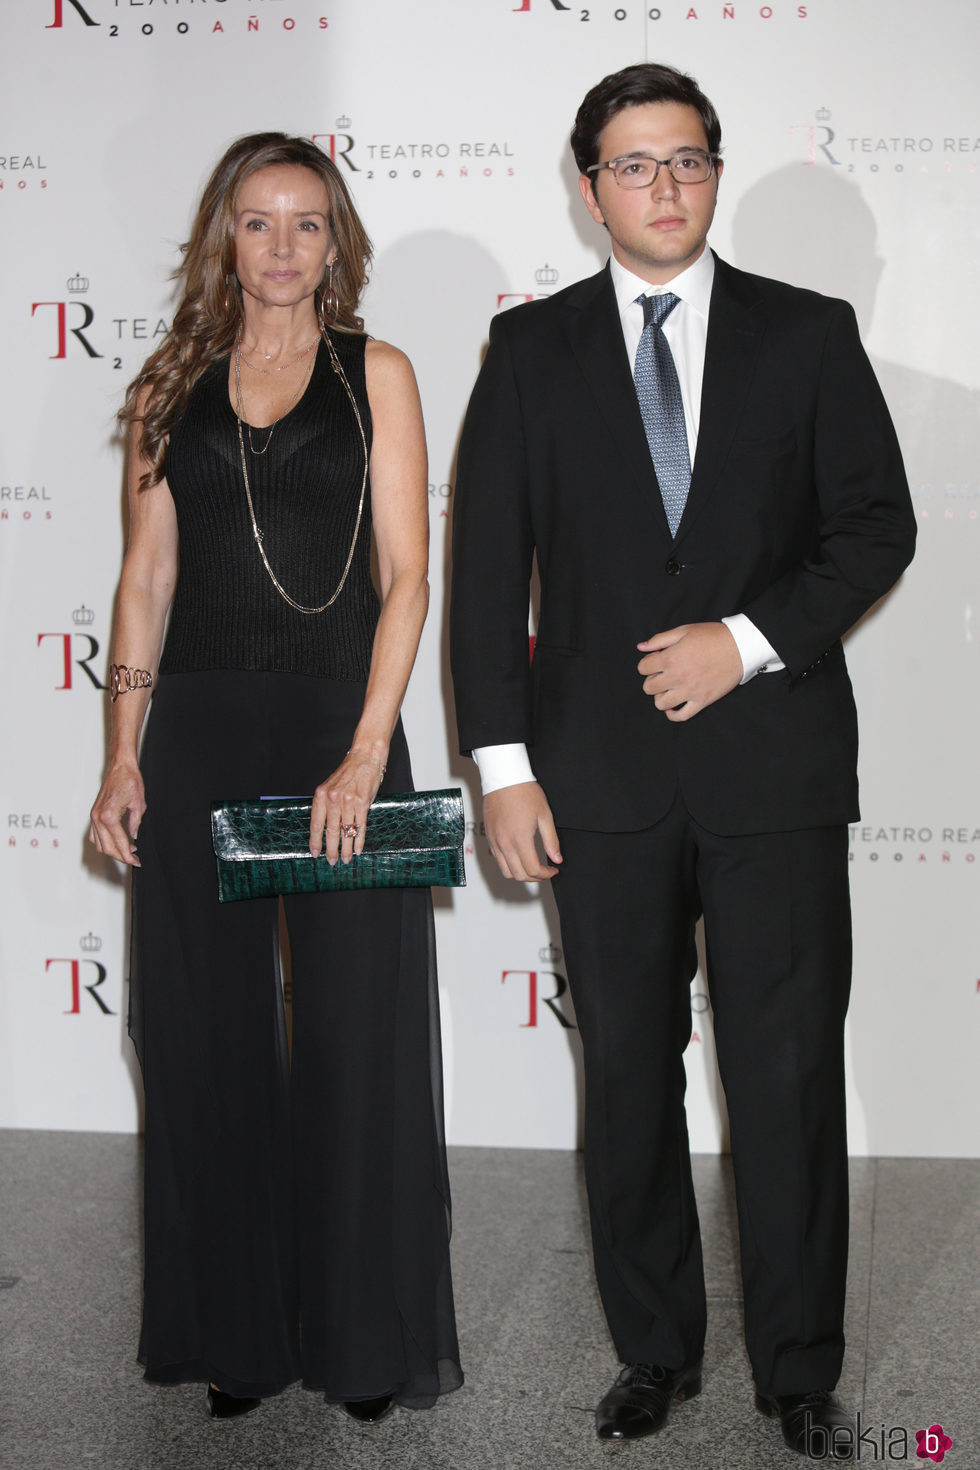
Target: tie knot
657	309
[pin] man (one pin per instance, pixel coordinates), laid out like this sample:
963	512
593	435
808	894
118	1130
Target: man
704	468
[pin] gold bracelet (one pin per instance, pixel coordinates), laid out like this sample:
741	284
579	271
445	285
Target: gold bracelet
123	680
383	768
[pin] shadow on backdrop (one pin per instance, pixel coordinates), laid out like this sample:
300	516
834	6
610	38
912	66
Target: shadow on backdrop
811	226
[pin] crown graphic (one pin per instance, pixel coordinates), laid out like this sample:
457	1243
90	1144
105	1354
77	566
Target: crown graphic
77	284
90	943
83	616
546	275
343	121
822	114
550	954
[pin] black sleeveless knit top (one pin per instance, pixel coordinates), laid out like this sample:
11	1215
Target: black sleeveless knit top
226	612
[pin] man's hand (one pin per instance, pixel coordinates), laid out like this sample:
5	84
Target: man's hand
513	817
690	667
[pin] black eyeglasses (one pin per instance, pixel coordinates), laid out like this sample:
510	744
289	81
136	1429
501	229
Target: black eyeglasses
638	171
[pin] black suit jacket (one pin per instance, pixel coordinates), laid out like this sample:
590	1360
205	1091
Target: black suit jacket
798	515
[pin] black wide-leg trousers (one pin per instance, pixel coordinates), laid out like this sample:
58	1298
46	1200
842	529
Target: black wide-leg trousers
296	1207
777	928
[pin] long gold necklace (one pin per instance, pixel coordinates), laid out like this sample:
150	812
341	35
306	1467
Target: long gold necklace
259	535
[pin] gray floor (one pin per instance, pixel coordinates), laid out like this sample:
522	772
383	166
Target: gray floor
536	1353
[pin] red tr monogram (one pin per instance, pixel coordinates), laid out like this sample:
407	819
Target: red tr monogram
83	663
63	328
58	21
819	138
534	995
77	987
335	151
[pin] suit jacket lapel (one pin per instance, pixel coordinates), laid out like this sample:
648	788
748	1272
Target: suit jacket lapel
595	336
736	325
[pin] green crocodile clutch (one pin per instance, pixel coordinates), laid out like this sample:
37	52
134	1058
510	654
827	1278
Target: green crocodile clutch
413	840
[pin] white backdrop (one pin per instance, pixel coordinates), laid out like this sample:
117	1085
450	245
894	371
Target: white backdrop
850	135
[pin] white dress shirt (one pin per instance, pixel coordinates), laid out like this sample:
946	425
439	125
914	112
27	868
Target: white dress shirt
686	330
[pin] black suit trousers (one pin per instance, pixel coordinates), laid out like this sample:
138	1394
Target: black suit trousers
778	940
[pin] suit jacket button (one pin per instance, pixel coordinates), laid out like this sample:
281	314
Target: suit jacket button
672	568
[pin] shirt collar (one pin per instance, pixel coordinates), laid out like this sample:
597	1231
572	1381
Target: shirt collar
692	286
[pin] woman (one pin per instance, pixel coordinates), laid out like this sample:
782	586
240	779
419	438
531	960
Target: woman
296	1201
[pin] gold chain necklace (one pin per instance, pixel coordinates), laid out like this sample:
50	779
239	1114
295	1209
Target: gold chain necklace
259	535
271	427
282	366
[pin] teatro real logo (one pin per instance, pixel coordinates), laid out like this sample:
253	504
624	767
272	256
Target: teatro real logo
543	987
725	11
339	144
417	158
72	8
69	325
899	150
66	319
25	503
940	845
818	138
130	17
22	171
33	830
82	976
76	650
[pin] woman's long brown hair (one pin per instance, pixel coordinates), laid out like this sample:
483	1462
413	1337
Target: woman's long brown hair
209	313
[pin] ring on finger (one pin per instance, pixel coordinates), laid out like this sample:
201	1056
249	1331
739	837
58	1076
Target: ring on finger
350	829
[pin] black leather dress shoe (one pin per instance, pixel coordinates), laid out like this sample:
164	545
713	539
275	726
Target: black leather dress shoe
369	1411
814	1424
638	1401
226	1405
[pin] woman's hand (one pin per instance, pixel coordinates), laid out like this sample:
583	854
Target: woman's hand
340	806
118	812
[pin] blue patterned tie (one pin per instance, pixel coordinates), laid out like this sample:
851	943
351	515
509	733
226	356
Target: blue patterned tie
662	407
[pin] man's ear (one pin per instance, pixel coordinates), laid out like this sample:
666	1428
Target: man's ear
587	191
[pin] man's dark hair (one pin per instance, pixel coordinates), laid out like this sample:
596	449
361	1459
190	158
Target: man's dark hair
648	81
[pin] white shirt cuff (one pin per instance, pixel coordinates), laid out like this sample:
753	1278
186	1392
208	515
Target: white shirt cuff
757	654
502	765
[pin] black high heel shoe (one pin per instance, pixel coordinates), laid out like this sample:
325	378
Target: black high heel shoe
226	1405
369	1411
